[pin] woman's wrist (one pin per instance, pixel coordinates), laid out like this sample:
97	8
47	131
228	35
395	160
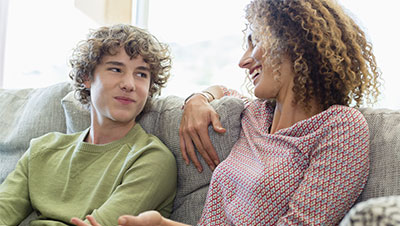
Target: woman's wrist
205	94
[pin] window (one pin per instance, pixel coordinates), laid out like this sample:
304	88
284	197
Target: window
380	21
206	41
40	37
205	37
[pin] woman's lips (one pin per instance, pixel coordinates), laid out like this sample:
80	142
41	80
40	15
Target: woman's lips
255	72
254	78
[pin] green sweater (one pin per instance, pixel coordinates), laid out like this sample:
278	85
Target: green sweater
61	177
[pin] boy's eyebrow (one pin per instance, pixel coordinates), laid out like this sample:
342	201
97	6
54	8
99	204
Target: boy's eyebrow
117	63
143	68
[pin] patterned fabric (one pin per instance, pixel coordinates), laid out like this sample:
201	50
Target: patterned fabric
308	174
383	211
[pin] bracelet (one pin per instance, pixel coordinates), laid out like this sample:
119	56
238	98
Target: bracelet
204	94
211	95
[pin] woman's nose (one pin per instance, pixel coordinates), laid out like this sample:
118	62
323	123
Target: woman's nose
246	60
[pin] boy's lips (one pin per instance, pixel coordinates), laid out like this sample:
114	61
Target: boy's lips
124	100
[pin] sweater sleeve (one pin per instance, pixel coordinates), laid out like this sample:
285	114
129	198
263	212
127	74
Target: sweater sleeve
15	204
149	184
336	175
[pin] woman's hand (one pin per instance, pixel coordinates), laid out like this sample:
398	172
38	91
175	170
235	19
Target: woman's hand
148	218
196	117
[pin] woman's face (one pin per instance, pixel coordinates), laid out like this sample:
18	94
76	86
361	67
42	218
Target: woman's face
267	85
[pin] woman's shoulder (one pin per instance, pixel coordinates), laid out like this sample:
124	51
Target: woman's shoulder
345	112
344	116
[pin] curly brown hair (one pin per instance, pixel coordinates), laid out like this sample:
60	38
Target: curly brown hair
107	41
332	60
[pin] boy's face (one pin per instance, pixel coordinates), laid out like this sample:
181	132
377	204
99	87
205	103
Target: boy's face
119	88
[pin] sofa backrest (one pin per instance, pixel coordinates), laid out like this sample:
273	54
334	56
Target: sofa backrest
384	174
25	114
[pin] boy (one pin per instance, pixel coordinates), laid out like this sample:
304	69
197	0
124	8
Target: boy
114	167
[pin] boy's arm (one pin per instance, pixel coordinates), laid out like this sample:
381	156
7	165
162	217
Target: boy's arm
15	204
150	184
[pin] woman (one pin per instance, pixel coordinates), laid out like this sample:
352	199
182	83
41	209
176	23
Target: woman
302	156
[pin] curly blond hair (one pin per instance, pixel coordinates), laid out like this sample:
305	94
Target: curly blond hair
332	60
107	41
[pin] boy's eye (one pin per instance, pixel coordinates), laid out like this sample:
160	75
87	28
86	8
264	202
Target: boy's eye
114	69
141	74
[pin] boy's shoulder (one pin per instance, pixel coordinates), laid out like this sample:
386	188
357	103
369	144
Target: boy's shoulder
54	141
150	143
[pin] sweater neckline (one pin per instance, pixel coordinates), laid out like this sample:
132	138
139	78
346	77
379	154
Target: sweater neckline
127	139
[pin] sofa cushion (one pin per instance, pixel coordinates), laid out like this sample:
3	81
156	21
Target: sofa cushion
26	114
384	175
375	211
162	119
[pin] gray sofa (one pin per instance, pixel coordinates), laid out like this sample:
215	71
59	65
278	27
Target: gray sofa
29	113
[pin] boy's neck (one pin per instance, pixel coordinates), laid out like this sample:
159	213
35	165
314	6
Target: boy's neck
108	132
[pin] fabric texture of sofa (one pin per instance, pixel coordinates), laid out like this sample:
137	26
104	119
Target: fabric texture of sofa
29	113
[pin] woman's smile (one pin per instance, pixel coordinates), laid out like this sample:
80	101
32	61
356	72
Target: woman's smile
255	74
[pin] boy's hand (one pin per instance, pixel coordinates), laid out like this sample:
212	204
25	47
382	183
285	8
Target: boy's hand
79	222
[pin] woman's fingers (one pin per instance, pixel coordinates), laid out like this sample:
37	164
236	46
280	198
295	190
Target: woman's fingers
191	152
200	137
193	132
148	218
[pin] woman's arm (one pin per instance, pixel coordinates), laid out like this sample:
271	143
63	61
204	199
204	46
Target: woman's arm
336	175
197	115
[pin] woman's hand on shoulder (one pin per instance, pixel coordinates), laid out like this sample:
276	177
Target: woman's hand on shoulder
198	114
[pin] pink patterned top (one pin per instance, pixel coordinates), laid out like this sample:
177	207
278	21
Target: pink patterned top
308	174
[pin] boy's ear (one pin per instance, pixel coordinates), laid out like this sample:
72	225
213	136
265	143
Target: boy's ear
87	82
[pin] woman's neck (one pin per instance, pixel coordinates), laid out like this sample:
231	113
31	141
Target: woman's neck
287	113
